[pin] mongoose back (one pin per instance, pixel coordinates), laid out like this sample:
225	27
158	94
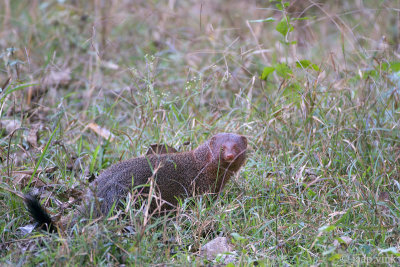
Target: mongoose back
160	149
205	169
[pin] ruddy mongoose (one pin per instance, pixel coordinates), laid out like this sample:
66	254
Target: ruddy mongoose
205	169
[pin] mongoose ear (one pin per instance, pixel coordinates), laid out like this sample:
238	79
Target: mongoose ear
212	141
244	139
155	149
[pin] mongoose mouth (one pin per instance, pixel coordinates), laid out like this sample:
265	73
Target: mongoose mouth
233	161
229	158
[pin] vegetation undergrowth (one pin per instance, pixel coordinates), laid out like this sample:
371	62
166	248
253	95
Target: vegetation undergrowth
313	86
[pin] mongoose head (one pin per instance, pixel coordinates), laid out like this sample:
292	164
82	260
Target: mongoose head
230	150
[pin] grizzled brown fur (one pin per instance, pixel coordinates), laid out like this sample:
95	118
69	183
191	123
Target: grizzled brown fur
205	169
177	175
160	149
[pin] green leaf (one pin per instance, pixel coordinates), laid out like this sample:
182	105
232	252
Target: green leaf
284	27
267	71
335	257
371	73
282	6
305	64
292	93
283	70
395	66
311	193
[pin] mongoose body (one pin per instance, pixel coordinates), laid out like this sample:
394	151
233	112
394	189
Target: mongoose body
176	175
205	169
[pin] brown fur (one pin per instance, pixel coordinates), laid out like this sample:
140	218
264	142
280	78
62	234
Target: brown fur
160	149
177	175
205	169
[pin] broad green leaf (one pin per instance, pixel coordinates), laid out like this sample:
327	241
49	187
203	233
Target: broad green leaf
371	73
267	71
311	193
282	6
335	257
304	64
291	92
395	66
283	70
284	27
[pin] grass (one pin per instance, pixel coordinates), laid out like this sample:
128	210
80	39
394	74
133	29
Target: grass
321	183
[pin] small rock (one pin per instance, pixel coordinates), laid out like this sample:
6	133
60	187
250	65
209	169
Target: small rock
217	246
27	229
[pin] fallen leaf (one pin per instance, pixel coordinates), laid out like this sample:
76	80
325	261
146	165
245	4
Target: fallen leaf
103	132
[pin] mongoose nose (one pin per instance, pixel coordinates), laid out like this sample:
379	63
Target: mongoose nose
229	157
